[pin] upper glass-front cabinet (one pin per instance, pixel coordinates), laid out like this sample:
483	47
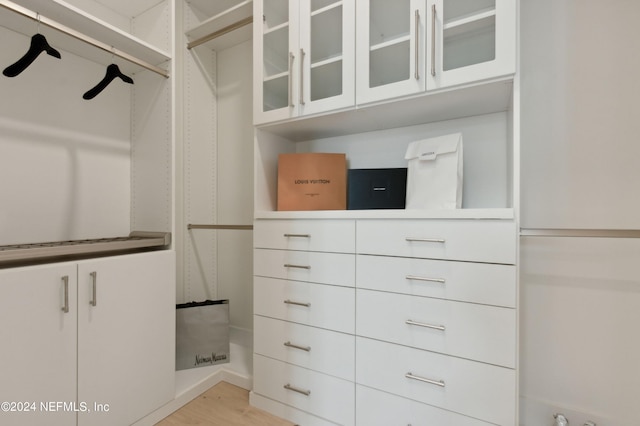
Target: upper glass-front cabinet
305	57
409	46
474	40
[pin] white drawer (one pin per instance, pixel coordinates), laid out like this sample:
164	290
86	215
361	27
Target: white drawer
312	235
325	306
492	241
475	389
479	332
375	408
287	412
310	391
326	268
486	283
321	350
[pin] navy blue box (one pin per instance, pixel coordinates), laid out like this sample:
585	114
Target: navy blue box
376	189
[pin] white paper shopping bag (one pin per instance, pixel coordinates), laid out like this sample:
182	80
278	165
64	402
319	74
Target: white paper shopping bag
434	175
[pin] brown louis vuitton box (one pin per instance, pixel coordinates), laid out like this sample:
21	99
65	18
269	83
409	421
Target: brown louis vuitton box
312	181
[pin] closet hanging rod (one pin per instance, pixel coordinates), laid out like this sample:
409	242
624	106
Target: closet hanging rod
80	36
233	227
584	233
241	23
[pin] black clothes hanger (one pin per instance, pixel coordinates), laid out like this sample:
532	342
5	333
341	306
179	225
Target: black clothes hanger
113	71
39	44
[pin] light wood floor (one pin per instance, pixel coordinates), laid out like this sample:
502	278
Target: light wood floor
222	405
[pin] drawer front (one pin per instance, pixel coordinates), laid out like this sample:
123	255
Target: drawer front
375	408
316	393
321	350
479	332
475	389
486	283
326	268
325	306
311	235
492	241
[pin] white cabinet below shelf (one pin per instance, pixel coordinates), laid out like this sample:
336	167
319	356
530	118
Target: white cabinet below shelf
119	354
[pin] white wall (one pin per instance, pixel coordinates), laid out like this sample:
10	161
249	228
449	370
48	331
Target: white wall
580	297
64	161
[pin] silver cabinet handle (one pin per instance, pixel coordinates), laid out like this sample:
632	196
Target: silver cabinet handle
425	240
297	235
422	324
65	284
433	40
291	302
289	265
291	59
425	380
94	289
418	278
295	389
302	348
417	47
301	99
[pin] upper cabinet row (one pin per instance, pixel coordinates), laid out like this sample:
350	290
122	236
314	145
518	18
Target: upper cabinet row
313	60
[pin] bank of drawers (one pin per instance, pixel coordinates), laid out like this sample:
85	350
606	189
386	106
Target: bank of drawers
415	319
304	323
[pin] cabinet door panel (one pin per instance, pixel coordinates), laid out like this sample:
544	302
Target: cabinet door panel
390	49
38	357
126	342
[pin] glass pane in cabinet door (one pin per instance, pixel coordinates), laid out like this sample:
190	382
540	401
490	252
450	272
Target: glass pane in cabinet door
326	49
389	41
275	55
469	33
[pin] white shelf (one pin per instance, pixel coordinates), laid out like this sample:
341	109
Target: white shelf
470	18
88	25
458	102
326	8
214	7
223	20
498	213
392	42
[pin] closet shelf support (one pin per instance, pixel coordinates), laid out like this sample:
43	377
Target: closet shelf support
80	36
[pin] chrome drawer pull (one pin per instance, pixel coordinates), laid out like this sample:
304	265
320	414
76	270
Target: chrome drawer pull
293	388
433	280
421	324
288	265
302	348
65	283
297	235
94	289
291	302
422	379
425	240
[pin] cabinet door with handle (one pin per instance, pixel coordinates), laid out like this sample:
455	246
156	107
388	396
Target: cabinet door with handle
469	41
38	359
126	336
390	46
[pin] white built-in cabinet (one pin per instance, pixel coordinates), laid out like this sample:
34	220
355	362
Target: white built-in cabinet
409	46
376	317
92	334
305	61
77	169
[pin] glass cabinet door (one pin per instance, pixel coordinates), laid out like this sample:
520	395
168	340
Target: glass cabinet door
327	55
471	40
390	49
276	44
